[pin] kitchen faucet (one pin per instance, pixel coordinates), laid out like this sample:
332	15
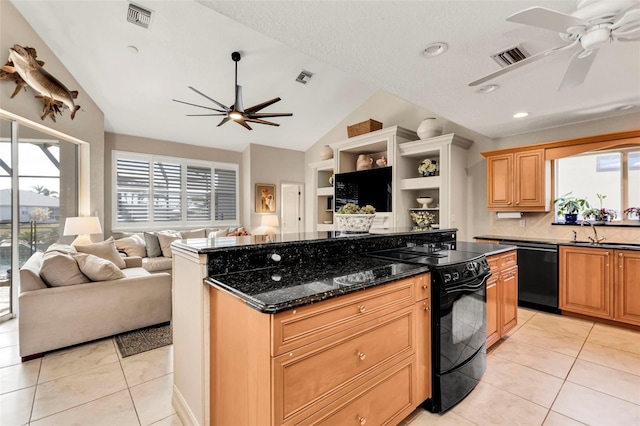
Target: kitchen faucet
595	239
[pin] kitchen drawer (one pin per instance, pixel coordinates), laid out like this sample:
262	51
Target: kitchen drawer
494	264
386	399
297	327
422	286
306	380
508	260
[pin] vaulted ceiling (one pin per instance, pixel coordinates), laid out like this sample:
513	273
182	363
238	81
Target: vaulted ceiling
353	48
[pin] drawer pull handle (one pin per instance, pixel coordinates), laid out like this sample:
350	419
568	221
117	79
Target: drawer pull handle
426	308
362	308
362	420
425	287
361	355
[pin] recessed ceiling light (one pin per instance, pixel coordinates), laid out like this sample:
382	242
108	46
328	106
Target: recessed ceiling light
434	49
488	88
520	114
132	49
624	107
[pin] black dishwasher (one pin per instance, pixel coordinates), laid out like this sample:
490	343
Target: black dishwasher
537	275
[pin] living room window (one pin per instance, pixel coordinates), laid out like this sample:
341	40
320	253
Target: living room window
151	191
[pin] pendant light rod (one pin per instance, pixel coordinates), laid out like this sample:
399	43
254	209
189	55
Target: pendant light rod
235	56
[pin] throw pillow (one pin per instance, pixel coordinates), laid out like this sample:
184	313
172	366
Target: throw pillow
165	240
132	246
152	244
97	268
61	247
193	233
106	250
60	269
219	233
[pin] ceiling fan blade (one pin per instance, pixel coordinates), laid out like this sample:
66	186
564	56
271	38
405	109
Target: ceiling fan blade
577	70
206	115
224	120
522	63
270	114
199	106
626	15
257	120
262	105
547	18
224	107
242	123
237	106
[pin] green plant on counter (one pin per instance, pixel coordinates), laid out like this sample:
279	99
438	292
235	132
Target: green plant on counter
570	205
600	214
633	211
351	208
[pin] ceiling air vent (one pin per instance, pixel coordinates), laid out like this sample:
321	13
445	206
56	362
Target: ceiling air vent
510	56
139	16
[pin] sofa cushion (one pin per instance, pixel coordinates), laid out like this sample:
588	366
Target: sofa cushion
61	247
219	233
61	269
155	264
106	250
193	233
132	246
152	244
165	239
97	268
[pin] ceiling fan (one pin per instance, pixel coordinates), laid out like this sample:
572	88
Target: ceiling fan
593	25
237	112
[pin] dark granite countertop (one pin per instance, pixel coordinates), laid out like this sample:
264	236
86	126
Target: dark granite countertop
604	245
274	289
501	238
487	249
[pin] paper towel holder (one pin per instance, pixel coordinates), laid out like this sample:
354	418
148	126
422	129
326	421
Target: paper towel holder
509	215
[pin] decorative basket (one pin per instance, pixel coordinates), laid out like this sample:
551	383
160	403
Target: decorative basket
353	222
364	127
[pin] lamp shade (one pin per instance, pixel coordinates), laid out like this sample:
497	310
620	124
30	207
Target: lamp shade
82	225
270	220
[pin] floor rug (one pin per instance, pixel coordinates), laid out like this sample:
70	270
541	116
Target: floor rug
144	339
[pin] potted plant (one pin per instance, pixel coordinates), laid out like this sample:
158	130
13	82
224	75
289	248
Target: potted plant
353	218
600	214
428	167
631	211
570	207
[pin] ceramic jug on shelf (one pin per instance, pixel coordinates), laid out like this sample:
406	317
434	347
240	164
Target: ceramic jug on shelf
365	162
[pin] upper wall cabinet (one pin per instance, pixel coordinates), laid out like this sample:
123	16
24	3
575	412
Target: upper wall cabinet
518	181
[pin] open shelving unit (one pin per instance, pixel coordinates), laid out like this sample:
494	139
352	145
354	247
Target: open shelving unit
323	170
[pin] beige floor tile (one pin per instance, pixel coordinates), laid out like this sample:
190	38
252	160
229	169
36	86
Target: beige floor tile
148	365
10	356
606	380
9	325
556	419
615	337
77	359
173	420
116	409
546	340
610	357
530	384
563	325
425	418
540	359
152	399
489	405
8	338
71	391
595	408
525	314
19	376
15	407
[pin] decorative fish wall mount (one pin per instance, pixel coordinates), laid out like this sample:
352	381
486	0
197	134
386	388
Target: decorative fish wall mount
23	68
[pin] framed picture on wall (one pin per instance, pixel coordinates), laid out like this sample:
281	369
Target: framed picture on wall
265	198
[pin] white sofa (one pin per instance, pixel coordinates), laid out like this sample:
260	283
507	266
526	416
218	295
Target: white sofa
55	317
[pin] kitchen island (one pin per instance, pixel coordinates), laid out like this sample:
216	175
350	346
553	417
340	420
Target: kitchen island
252	321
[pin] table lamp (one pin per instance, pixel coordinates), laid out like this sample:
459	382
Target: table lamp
270	221
82	227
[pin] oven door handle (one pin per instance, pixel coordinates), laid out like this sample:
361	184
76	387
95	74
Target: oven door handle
472	285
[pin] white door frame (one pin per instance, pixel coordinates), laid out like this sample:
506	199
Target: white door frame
300	185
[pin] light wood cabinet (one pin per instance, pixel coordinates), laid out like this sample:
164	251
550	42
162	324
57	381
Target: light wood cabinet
518	181
502	296
362	357
600	282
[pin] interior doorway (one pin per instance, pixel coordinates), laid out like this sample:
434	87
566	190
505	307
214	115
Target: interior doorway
292	209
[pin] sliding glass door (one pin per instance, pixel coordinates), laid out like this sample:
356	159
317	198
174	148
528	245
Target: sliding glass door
6	220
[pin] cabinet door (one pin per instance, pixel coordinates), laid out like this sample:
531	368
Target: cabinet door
586	281
509	299
423	350
500	181
529	178
627	286
493	314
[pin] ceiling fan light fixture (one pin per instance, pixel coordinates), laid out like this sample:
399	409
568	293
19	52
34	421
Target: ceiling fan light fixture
235	115
488	88
434	49
520	114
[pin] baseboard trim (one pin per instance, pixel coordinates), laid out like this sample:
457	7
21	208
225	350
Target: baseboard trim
182	409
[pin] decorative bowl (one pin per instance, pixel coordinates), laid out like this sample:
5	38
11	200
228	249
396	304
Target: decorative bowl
354	222
425	201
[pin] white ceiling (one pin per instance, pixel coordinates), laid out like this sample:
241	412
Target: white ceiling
353	47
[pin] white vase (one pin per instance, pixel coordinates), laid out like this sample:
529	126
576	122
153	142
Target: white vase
429	128
326	153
